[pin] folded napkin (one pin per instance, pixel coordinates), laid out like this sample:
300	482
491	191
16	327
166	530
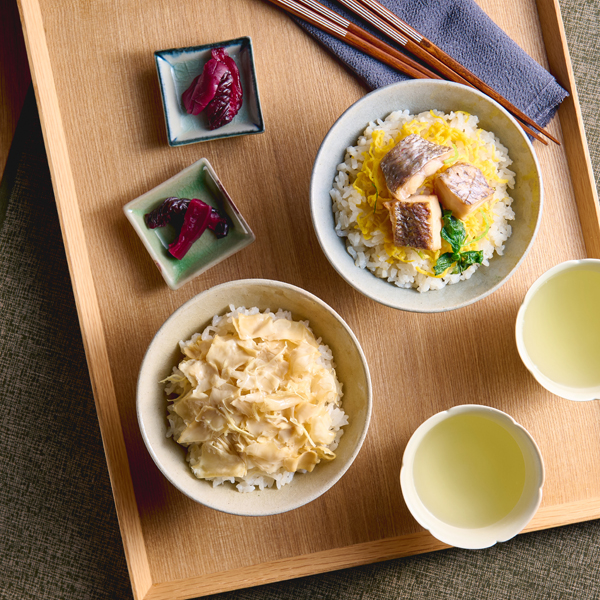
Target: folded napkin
465	32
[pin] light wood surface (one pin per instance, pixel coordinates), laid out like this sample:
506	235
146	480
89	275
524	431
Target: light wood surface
97	89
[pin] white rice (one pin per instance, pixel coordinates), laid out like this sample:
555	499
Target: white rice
260	480
371	254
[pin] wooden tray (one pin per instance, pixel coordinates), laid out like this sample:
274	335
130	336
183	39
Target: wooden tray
100	106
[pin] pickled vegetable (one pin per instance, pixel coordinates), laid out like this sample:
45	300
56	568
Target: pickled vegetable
163	215
193	216
195	223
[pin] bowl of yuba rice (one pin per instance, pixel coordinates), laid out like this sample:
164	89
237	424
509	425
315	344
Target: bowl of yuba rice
426	195
254	397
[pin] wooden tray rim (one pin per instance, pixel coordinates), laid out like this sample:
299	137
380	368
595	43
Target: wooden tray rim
99	365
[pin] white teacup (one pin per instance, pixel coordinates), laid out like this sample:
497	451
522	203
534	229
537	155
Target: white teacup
564	306
472	476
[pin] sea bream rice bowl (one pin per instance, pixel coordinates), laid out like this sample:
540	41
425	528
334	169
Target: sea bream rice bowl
363	203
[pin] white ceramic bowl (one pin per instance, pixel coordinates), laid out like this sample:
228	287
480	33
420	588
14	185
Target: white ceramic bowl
418	96
163	353
499	531
564	391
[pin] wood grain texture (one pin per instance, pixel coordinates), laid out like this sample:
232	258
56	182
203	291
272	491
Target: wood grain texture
367	11
85	296
390	50
104	130
571	120
358	38
359	554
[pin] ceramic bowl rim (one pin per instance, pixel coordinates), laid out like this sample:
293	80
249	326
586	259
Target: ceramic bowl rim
324	237
562	391
434	525
368	399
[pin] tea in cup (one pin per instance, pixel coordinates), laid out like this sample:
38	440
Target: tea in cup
472	476
558	330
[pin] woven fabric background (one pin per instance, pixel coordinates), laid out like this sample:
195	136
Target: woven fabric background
59	537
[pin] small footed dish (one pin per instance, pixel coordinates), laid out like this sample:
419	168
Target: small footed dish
196	181
177	68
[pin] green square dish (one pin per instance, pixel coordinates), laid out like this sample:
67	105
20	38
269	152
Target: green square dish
196	181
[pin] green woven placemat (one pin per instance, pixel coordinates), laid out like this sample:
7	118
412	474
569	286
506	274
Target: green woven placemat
59	537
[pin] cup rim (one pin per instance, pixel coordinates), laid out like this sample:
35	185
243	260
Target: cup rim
476	538
560	390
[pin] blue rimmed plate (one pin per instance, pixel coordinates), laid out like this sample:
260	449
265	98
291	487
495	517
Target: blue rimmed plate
196	181
177	68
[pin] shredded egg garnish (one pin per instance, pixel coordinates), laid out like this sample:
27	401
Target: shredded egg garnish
370	183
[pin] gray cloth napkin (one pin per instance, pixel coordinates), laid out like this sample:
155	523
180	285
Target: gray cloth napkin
464	31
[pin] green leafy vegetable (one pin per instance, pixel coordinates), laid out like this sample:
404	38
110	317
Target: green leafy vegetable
454	231
471	258
455	234
445	261
452	158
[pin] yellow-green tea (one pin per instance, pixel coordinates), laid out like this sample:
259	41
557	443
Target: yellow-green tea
561	328
469	471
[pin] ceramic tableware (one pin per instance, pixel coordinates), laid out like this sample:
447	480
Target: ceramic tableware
196	181
472	476
177	68
163	353
418	96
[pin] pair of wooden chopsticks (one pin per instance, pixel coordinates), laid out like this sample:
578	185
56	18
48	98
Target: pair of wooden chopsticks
396	29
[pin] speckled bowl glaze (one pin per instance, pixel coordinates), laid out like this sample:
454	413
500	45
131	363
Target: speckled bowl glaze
163	353
502	530
196	181
418	96
177	68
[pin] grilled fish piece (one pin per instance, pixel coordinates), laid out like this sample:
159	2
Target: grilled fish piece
416	222
409	162
462	189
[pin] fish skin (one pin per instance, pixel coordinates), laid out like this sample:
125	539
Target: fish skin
416	222
409	162
462	188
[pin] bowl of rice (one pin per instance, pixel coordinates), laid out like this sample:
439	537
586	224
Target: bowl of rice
254	397
348	199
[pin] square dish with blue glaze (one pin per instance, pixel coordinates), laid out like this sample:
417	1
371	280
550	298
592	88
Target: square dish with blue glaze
177	68
196	181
